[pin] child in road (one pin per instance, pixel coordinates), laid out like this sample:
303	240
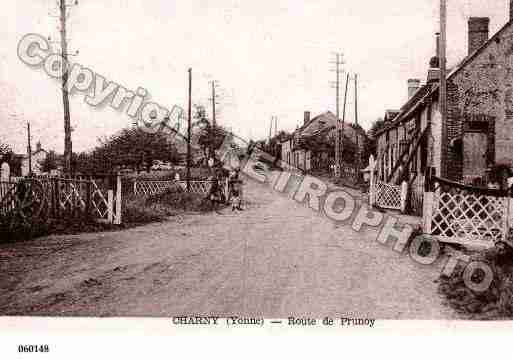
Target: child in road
214	194
235	184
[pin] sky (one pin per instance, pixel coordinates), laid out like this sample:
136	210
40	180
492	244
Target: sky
269	58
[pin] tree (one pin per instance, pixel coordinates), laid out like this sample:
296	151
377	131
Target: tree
49	163
204	135
209	138
14	161
375	127
4	150
131	148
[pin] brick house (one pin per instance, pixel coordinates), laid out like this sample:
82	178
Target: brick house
311	146
479	128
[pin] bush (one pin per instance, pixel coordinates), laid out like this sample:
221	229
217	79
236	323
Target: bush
494	303
138	211
21	231
47	226
180	200
156	208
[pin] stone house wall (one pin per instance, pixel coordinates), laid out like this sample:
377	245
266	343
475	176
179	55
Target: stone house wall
482	91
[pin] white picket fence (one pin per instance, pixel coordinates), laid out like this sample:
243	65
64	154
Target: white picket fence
456	213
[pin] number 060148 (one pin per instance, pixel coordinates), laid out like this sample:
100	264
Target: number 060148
33	348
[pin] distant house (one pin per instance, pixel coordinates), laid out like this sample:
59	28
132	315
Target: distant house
311	147
38	156
478	134
14	161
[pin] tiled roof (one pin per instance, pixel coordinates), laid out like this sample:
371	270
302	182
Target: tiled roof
330	121
411	104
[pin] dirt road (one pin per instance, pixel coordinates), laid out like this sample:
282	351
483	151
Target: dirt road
275	259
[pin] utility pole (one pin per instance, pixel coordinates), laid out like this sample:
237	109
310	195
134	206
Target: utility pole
29	149
443	81
213	105
273	149
189	120
213	129
343	120
65	95
337	70
358	157
271	129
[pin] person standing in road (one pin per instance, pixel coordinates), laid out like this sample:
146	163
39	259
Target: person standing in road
235	191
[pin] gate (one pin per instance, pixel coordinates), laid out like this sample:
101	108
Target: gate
386	195
29	199
21	202
389	196
457	213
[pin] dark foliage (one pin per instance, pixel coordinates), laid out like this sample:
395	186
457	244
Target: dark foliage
132	148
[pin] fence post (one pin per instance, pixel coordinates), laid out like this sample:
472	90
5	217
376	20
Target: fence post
74	198
110	199
117	220
5	172
509	215
372	166
57	198
88	198
404	196
427	212
371	189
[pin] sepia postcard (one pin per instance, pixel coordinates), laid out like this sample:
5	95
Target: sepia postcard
199	168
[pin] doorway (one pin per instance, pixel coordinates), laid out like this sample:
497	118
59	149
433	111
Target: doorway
475	148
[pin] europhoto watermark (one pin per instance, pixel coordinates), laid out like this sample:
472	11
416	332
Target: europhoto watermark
35	51
340	207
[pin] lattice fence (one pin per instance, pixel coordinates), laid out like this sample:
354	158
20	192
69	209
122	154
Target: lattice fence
463	214
5	187
149	188
199	187
21	203
71	194
7	197
387	195
54	197
100	204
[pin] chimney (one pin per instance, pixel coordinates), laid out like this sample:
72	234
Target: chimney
434	63
413	86
306	117
478	31
438	45
38	146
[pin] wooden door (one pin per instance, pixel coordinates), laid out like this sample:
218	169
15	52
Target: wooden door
475	145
